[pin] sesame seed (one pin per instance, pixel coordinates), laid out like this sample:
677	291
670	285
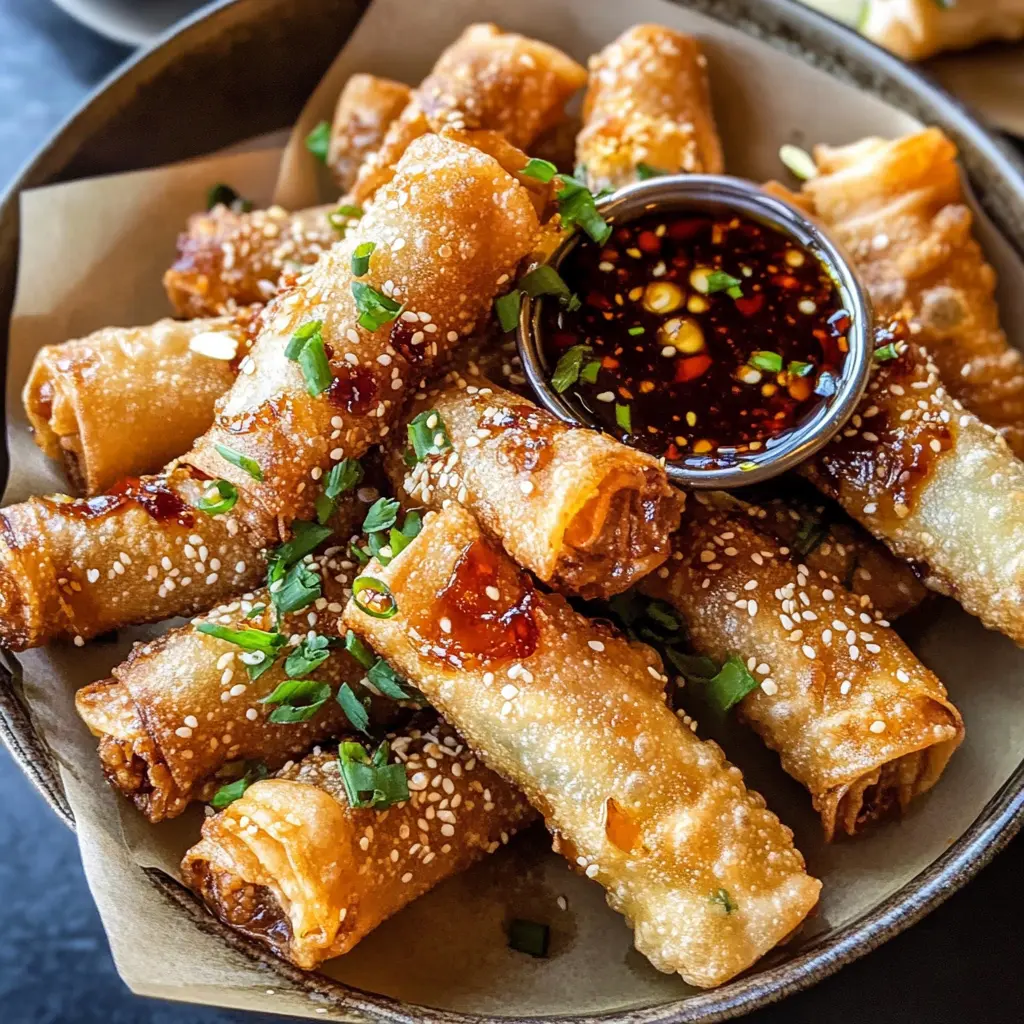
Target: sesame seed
595	645
877	725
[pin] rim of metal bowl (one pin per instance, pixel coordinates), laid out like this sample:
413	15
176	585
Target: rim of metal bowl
702	192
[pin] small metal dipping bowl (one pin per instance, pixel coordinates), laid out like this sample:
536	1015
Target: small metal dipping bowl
719	194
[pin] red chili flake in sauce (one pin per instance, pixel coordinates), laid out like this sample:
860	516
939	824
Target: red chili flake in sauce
411	342
718	335
156	499
484	613
354	390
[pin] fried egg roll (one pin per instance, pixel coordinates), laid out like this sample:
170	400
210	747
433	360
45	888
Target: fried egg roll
450	230
486	80
575	716
295	866
126	400
853	715
647	105
898	208
582	511
939	487
366	107
183	707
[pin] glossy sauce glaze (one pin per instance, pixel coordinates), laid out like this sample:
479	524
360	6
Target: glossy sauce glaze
707	338
484	613
529	434
152	494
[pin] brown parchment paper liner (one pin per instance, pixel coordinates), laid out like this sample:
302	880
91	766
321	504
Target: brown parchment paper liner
93	253
990	79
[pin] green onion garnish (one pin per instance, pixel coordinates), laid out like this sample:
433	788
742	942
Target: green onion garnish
248	639
354	708
692	667
297	342
243	462
359	650
624	418
306	538
529	937
732	683
386	680
799	161
315	368
341	218
542	170
798	368
569	366
342	477
361	258
576	206
297	700
380	593
770	362
225	502
589	372
375	308
720	281
507	308
635	331
886	352
308	656
401	538
545	280
231	791
722	897
300	587
383	514
428	435
371	781
318	141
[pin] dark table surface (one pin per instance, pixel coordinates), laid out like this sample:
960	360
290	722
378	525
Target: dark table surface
963	963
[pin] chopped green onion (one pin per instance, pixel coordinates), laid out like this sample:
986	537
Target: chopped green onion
297	700
799	161
529	937
381	592
542	170
297	342
693	667
375	308
324	507
224	195
308	656
359	554
624	418
248	639
318	141
576	206
343	476
507	309
589	372
664	615
256	670
243	462
300	587
428	435
383	514
315	368
354	708
403	537
228	495
635	330
732	683
306	538
720	281
255	611
341	218
371	782
813	530
359	650
770	362
545	280
567	372
385	679
361	258
886	352
722	897
645	171
574	303
798	368
231	791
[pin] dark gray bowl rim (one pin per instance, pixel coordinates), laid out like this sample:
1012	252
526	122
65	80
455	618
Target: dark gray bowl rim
997	176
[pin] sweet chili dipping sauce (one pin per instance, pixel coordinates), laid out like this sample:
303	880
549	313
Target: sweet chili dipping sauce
696	337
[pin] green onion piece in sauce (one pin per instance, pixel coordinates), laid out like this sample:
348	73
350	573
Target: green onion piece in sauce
624	418
770	362
577	208
379	593
298	341
886	352
569	367
227	495
720	281
635	331
590	371
243	462
798	368
542	170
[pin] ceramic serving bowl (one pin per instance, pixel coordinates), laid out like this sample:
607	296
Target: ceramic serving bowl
779	73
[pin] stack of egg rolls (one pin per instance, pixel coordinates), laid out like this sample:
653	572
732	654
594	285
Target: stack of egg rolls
450	229
575	716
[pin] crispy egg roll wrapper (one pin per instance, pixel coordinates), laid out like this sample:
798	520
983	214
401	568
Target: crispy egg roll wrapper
853	715
126	400
293	865
898	208
364	112
582	511
451	229
228	259
915	29
941	488
486	80
575	716
647	102
182	708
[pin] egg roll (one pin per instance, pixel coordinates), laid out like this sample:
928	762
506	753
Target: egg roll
585	513
647	106
126	400
853	715
941	488
898	208
293	865
364	112
916	29
575	716
449	232
486	80
182	708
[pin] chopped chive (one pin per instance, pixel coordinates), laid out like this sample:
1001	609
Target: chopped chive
590	371
770	362
354	708
361	258
316	370
380	592
732	683
428	435
375	308
720	281
567	371
371	781
359	650
231	791
297	342
297	700
635	330
624	418
382	515
386	680
798	368
403	537
247	639
507	309
341	218
308	656
318	141
343	476
799	161
886	352
228	495
299	589
529	937
306	537
542	170
243	462
577	208
545	280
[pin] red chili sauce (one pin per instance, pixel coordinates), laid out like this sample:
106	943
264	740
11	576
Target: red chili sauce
152	494
708	338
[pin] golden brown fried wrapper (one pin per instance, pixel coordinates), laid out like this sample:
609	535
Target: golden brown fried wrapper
585	513
293	865
898	208
853	715
647	103
575	716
